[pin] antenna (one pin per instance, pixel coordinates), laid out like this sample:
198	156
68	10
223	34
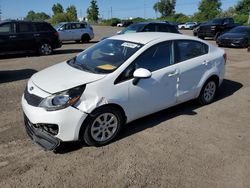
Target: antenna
0	13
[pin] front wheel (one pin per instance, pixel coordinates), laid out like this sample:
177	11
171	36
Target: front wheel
103	126
45	49
208	92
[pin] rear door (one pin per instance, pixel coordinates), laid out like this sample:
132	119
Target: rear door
78	30
65	32
193	61
25	39
7	34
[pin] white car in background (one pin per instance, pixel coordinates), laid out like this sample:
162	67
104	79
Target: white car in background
188	25
116	81
75	31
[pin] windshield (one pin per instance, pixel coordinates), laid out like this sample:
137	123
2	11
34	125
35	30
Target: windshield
58	26
105	57
239	30
132	28
216	21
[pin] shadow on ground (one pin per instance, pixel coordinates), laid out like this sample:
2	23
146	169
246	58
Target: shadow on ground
15	75
73	42
56	52
227	89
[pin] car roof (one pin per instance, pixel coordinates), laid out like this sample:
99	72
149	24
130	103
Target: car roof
146	37
152	22
242	26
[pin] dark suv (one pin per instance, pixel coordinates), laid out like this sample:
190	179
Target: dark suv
24	36
150	27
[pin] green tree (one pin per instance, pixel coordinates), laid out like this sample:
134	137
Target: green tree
57	8
93	11
71	13
208	9
165	7
40	16
243	7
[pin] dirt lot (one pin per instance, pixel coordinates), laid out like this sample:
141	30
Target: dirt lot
185	146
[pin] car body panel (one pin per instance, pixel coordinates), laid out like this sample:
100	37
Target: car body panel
166	87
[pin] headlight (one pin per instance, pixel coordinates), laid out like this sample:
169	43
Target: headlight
62	99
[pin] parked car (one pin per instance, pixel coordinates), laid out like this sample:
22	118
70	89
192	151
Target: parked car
188	25
116	81
150	27
214	28
23	36
236	37
196	28
75	31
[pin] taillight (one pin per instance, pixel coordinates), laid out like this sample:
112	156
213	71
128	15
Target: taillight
225	58
56	34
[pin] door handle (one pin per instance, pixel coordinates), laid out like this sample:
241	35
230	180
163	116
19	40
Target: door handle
175	72
205	62
36	35
12	36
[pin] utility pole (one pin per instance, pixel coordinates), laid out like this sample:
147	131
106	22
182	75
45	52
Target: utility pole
144	9
0	14
248	16
111	12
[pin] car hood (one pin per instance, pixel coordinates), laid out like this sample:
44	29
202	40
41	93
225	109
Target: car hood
233	35
61	77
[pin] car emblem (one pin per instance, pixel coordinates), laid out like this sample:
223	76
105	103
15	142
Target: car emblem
31	88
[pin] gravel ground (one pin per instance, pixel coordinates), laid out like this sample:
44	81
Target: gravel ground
185	146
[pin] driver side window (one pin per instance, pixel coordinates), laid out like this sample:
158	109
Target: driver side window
155	58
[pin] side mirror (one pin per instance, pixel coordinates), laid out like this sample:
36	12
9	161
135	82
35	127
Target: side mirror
141	73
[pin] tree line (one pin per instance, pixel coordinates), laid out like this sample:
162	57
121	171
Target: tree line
207	9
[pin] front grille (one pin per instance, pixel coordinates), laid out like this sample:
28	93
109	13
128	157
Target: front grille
31	99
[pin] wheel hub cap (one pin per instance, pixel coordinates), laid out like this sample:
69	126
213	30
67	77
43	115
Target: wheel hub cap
104	127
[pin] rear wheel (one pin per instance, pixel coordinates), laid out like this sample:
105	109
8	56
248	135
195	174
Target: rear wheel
208	92
102	126
201	37
45	49
85	38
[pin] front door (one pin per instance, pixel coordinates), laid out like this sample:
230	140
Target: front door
7	34
159	91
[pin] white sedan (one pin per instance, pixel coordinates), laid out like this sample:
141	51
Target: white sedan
116	81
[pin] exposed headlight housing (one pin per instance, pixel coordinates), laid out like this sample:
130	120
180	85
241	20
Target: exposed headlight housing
62	99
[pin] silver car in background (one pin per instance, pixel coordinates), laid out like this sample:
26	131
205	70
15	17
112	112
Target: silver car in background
75	31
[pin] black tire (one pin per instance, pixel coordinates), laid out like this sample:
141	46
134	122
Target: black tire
206	95
201	37
245	44
216	36
45	49
92	129
85	38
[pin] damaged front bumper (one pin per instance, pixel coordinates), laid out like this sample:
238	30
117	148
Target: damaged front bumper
40	136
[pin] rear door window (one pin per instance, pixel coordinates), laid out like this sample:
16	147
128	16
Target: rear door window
162	28
43	27
150	28
188	49
25	28
6	28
